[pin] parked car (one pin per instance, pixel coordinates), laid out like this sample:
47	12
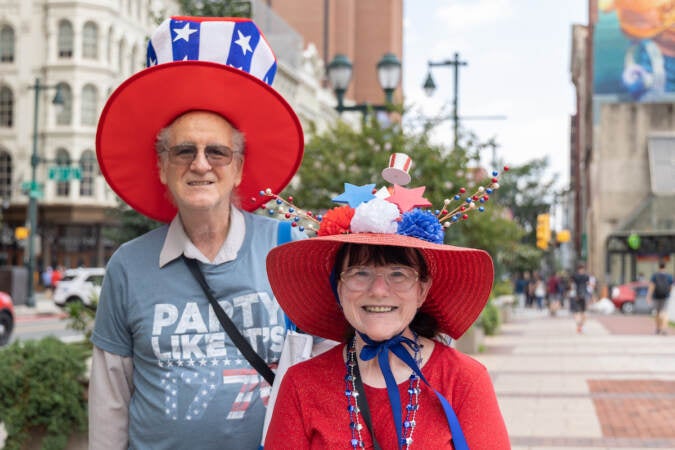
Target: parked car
631	297
6	317
79	285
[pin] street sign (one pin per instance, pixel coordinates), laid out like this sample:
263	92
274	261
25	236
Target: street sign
33	189
64	173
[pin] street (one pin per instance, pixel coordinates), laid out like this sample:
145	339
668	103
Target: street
44	319
39	326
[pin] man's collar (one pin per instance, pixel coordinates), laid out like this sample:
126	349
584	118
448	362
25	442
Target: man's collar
177	242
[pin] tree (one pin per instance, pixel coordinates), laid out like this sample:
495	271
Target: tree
527	192
129	224
215	8
343	154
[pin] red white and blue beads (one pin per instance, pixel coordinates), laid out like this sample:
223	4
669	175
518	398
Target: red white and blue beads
408	424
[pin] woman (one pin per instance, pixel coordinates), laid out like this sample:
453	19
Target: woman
387	297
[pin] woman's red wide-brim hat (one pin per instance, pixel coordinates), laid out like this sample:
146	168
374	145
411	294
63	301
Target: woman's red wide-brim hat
299	273
151	99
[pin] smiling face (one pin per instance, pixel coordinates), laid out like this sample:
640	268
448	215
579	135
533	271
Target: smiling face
200	187
380	310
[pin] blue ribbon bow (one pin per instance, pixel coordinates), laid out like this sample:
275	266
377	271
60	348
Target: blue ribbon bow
381	349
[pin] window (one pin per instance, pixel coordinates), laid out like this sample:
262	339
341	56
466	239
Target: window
111	36
6	107
6	44
121	56
65	40
5	175
63	160
65	115
90	41
134	60
89	104
88	171
661	164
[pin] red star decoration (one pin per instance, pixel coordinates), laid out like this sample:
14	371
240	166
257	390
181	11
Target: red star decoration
407	199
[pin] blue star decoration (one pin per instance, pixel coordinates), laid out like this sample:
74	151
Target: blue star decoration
355	195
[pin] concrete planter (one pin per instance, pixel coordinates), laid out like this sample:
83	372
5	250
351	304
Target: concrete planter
471	341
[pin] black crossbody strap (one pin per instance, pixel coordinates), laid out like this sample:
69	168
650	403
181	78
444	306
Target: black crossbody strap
363	405
240	341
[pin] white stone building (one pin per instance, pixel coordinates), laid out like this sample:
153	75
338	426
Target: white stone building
87	48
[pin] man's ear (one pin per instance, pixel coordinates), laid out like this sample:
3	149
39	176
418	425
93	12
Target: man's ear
240	173
161	164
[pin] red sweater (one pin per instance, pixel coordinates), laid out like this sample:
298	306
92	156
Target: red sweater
311	407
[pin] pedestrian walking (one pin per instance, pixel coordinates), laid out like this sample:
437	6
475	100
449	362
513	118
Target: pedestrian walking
553	293
520	289
580	285
539	291
658	294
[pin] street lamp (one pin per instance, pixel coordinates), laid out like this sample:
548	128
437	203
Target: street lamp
388	75
429	88
34	191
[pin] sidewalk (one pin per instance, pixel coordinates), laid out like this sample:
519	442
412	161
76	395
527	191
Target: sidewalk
44	306
612	387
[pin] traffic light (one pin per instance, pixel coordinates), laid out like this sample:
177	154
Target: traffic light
543	231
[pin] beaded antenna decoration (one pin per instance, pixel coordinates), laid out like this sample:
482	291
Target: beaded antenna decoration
388	209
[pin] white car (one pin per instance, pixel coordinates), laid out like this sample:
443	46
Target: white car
79	285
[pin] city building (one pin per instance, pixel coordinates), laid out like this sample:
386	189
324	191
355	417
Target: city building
86	48
623	141
361	30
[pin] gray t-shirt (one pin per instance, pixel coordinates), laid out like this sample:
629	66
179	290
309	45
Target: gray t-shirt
193	389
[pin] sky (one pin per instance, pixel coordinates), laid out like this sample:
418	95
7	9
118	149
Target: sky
518	68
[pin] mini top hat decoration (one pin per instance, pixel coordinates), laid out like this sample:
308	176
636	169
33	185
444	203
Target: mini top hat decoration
389	209
398	170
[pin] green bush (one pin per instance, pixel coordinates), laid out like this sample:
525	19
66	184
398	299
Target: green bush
81	318
489	318
502	287
42	388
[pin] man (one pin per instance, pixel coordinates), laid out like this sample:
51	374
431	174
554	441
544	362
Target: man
170	142
580	281
658	293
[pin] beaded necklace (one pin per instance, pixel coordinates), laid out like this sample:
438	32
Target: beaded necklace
408	425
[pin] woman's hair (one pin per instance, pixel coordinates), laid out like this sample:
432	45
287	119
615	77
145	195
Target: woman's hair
381	255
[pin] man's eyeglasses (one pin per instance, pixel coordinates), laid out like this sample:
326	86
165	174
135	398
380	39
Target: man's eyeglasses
185	154
361	278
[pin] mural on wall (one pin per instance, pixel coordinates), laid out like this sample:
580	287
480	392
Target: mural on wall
634	50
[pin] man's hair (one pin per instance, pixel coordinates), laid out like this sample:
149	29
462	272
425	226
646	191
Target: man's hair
164	135
662	265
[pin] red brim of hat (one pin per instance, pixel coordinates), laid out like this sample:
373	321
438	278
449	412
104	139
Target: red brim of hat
151	99
299	275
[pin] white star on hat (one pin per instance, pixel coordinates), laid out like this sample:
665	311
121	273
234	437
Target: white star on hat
183	33
243	42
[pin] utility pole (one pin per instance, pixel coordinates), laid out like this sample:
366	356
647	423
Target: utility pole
430	87
34	190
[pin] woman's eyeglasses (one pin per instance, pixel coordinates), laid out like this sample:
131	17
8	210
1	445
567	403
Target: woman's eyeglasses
185	154
361	278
